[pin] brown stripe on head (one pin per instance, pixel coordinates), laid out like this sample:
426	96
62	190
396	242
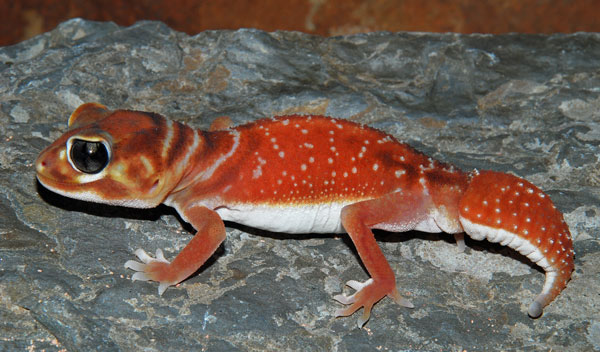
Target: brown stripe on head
133	170
86	114
182	139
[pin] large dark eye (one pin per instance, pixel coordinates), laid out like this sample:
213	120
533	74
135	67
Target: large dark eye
89	157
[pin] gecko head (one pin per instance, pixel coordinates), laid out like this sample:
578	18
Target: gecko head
110	157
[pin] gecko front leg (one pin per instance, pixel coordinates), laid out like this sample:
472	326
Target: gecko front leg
400	211
210	234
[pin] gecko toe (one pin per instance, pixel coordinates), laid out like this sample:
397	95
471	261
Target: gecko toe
339	313
160	256
460	241
366	314
404	302
143	256
344	312
364	317
140	276
133	265
343	299
357	285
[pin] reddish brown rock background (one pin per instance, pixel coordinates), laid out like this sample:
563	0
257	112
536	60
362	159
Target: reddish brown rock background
21	20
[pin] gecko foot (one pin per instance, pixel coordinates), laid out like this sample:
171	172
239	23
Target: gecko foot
151	269
367	294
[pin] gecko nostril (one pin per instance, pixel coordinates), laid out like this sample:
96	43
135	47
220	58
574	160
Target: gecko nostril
41	165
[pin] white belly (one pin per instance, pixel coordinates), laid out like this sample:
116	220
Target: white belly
322	218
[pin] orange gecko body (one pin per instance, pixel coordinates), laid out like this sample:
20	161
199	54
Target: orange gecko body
298	174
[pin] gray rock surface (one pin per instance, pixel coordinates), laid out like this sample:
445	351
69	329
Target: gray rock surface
526	104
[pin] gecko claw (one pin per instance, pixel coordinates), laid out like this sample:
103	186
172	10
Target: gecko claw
162	287
404	302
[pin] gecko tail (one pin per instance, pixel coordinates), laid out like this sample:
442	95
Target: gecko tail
511	211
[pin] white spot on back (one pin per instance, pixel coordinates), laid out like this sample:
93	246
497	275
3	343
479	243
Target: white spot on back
257	172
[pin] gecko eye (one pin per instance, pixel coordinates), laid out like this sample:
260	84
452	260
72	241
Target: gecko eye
89	157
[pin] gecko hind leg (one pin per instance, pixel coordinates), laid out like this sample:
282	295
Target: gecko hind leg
399	211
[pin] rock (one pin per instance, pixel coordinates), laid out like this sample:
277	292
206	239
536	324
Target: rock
526	104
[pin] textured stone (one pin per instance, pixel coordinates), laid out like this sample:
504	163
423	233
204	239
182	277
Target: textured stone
516	103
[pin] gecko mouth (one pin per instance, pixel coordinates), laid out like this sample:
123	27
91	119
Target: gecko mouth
54	185
118	197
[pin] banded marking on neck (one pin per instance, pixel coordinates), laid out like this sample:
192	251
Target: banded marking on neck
166	145
208	173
